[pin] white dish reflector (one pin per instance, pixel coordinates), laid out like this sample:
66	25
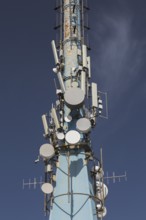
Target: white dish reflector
102	190
47	151
60	136
74	97
72	137
101	214
47	188
68	118
83	125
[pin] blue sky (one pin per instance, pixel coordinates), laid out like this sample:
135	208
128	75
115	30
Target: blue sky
118	42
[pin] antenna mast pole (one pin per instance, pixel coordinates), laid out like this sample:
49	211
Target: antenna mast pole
72	175
72	193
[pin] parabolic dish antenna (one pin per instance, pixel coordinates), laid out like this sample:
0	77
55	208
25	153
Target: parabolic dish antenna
101	214
47	151
102	190
47	188
68	118
60	136
99	172
74	97
83	125
72	137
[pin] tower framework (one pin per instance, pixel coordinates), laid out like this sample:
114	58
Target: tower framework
72	192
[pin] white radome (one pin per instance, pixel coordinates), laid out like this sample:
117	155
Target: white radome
47	188
72	137
74	97
83	125
60	136
47	151
102	190
68	118
102	214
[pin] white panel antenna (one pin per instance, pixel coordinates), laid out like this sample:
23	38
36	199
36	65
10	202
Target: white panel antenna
94	95
55	52
45	124
84	54
60	79
103	99
89	67
55	118
83	81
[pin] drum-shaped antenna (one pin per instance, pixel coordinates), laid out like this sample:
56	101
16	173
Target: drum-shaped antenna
101	214
74	97
72	137
102	190
83	125
47	151
47	188
60	136
68	118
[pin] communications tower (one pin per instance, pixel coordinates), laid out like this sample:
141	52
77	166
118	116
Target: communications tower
73	189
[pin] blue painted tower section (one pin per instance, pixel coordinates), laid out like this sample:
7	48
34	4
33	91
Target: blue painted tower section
77	206
72	192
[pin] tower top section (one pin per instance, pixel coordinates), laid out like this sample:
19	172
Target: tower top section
71	22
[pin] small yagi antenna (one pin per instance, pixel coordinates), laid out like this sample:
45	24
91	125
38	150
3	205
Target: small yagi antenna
115	177
32	183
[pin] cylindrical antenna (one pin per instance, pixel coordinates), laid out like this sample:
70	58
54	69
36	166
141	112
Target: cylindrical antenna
45	124
55	118
55	52
84	54
60	79
89	67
